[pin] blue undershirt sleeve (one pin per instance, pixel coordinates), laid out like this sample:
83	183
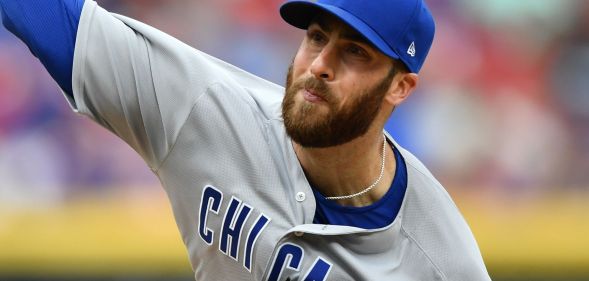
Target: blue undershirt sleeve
48	28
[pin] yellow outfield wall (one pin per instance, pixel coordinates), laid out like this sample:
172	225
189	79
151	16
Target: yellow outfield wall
546	235
130	234
103	235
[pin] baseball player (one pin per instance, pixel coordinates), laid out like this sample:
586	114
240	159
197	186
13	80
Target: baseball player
270	183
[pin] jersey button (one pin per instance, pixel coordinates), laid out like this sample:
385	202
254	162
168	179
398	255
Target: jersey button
300	197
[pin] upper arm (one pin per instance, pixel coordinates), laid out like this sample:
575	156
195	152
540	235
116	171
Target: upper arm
136	81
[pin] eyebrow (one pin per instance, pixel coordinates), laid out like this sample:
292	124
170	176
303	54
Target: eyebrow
348	33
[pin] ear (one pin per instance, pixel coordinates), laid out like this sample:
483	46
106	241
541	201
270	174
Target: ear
401	87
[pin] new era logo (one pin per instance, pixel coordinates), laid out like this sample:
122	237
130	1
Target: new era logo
411	50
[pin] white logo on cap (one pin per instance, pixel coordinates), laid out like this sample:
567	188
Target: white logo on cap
411	50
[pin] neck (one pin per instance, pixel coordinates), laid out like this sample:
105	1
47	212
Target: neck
349	168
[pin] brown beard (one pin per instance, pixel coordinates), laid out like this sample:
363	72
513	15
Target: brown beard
343	122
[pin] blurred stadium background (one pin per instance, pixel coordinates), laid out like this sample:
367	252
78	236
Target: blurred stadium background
501	118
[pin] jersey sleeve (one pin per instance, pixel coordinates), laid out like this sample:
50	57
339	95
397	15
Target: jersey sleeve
49	29
136	81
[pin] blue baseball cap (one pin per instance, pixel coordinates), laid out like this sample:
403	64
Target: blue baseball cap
401	29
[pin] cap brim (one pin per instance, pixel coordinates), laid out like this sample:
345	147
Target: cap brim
300	14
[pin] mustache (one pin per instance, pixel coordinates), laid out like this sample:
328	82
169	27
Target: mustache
318	87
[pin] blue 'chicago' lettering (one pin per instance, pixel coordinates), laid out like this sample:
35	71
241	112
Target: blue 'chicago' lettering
289	256
211	201
261	223
319	270
236	215
232	226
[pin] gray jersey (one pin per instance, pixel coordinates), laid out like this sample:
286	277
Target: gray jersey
214	136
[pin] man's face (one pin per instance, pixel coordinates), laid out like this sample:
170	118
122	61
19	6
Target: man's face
335	86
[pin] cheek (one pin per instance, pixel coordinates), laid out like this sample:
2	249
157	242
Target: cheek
348	88
351	87
301	62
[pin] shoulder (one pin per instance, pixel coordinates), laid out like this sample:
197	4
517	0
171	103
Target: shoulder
215	75
431	220
203	74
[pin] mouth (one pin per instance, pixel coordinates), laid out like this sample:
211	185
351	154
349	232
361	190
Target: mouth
312	96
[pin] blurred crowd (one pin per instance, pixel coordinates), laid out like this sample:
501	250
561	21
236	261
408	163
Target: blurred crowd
502	103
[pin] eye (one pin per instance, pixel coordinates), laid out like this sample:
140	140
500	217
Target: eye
316	37
356	50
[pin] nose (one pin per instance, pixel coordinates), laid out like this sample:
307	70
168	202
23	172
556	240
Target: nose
323	65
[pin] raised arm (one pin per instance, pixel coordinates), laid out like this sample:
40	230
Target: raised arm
48	28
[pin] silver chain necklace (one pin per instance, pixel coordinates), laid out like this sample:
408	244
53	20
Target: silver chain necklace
372	185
